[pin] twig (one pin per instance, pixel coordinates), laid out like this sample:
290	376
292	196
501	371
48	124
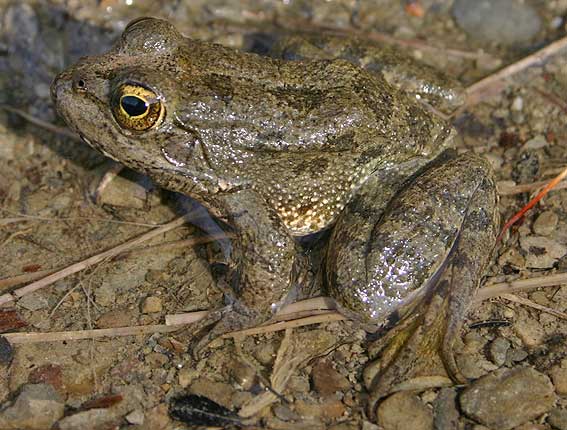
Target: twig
74	268
552	98
7	283
532	203
19	338
496	290
494	83
506	190
40	123
531	304
316	319
106	180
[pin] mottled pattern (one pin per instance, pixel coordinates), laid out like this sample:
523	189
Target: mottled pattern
278	149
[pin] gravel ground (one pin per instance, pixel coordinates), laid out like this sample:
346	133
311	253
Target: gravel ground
515	355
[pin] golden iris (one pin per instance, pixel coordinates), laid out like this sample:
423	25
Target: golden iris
137	108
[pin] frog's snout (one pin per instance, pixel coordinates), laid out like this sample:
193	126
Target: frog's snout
59	86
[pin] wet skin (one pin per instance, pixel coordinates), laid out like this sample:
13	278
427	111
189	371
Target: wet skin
281	149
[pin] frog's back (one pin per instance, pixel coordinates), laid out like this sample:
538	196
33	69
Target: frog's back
306	134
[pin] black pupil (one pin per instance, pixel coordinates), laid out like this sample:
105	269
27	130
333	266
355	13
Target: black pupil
134	106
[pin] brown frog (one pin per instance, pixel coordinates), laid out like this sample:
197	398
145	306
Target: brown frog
282	149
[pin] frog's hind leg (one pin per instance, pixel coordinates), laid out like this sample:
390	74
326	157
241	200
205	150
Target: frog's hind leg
422	258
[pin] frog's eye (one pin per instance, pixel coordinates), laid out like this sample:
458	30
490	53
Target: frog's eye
137	108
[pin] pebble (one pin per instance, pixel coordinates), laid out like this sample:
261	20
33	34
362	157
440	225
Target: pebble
105	295
558	418
37	407
536	142
284	413
507	22
545	223
6	351
498	350
473	366
327	380
329	409
33	302
558	374
445	406
243	374
151	305
185	376
508	398
403	410
136	417
115	318
93	419
542	252
530	332
217	391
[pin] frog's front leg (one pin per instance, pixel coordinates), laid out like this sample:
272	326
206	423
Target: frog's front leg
265	263
415	264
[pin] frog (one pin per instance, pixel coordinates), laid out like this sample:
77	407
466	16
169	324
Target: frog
278	149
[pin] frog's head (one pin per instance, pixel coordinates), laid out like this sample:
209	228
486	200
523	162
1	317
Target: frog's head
123	103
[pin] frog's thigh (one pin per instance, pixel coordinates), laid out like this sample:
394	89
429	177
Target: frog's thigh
380	258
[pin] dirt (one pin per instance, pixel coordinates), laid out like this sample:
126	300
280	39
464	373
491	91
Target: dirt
49	220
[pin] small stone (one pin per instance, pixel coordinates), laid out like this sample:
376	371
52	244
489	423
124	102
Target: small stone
93	419
105	295
542	252
490	399
327	380
330	409
506	22
243	374
446	414
33	302
185	376
156	359
536	142
151	305
517	354
498	350
158	418
545	223
136	417
517	104
558	374
530	332
47	374
37	407
6	351
115	318
558	418
403	410
217	391
473	366
284	413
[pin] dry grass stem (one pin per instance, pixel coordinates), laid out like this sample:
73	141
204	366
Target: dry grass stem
495	290
74	268
40	123
506	190
7	283
531	304
283	325
20	338
495	82
108	177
